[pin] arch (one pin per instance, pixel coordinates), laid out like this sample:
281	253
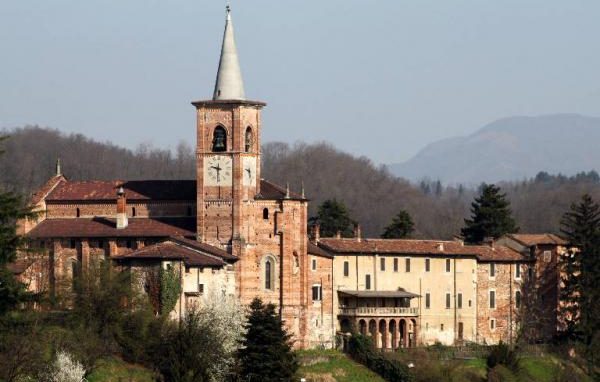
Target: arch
265	213
392	329
269	270
219	141
403	333
373	329
383	334
362	327
413	335
248	139
345	325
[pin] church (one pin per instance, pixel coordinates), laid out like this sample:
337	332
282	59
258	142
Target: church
232	233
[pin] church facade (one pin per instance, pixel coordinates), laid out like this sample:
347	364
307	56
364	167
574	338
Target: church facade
231	233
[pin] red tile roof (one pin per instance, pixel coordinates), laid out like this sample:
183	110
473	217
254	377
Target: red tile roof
420	247
103	227
134	190
271	191
538	239
314	249
46	188
204	247
172	251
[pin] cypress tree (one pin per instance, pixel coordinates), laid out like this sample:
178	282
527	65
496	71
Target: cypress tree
580	275
333	217
266	354
490	216
400	227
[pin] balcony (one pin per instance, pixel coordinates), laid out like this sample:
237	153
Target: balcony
388	311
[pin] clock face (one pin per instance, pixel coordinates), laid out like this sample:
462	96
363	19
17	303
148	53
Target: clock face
249	164
217	170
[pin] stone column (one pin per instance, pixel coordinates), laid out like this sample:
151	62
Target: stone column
397	337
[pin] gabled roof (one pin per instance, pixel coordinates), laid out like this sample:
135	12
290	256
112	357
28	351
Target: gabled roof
537	239
106	190
270	191
48	187
104	227
314	249
440	248
203	247
174	250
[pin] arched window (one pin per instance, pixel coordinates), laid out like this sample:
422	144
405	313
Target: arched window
268	274
133	211
219	142
266	214
78	212
249	139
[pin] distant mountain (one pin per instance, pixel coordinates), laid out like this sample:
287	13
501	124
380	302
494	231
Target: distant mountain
510	149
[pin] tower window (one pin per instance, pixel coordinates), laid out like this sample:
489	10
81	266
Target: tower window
317	293
269	273
78	212
266	214
249	139
219	142
133	211
346	268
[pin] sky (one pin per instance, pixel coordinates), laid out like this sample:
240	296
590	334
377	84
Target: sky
375	78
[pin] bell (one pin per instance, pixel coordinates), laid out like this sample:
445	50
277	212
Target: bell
219	140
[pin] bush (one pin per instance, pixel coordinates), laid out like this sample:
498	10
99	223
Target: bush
66	369
502	354
361	350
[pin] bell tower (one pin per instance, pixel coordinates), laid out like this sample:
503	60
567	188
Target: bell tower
227	150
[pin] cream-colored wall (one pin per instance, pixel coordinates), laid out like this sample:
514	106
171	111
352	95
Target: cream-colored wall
437	282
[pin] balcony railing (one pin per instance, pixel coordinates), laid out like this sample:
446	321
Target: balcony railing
379	311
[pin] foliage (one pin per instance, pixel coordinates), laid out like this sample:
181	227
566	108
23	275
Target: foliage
490	216
333	217
66	368
401	227
504	355
170	289
114	369
361	349
580	269
188	350
332	365
266	352
21	348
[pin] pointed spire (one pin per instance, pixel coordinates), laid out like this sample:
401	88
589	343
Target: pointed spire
58	169
229	84
302	191
287	190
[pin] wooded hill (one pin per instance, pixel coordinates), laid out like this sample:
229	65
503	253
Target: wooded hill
372	194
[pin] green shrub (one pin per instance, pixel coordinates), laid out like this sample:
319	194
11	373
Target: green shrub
502	354
361	349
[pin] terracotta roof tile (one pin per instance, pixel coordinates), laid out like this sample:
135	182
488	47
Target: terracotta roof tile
134	190
420	247
172	251
269	190
103	227
314	249
43	191
538	239
216	251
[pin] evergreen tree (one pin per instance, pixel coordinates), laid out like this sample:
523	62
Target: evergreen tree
490	216
333	217
266	354
401	226
580	274
12	208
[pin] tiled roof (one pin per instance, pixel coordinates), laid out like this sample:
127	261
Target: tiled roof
106	190
172	251
134	190
204	247
420	247
378	293
537	239
103	227
46	188
314	249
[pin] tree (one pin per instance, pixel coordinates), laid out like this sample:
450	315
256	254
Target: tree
580	275
266	354
333	217
401	226
490	216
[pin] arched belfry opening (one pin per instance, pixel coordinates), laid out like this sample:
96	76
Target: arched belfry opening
219	142
249	139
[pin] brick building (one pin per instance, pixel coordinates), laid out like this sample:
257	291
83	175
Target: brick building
232	233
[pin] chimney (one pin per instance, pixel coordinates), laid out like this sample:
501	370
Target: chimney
316	232
122	221
338	234
441	247
489	241
58	169
357	232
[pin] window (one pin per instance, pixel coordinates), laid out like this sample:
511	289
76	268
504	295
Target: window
442	327
447	300
133	211
547	256
269	274
427	300
492	324
346	268
469	303
219	142
518	271
492	299
314	264
201	288
492	270
317	293
78	212
518	299
187	269
382	262
249	139
448	265
460	330
367	282
407	265
266	214
395	265
459	301
427	265
72	244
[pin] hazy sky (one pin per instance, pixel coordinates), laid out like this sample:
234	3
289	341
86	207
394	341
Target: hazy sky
376	78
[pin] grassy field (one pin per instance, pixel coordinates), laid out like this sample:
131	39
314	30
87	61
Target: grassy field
333	366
